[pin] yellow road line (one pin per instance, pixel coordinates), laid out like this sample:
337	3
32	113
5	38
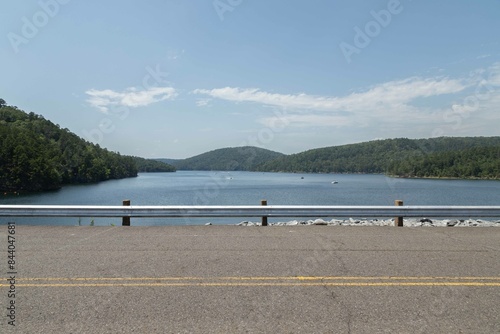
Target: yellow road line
256	284
256	278
253	281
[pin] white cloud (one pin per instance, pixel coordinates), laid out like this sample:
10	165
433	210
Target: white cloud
389	102
276	122
131	97
494	75
203	102
391	94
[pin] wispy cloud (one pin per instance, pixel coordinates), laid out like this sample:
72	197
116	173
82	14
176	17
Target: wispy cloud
393	93
494	74
203	102
305	120
131	97
464	103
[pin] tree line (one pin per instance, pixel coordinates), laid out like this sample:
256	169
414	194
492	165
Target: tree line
454	157
473	163
243	158
36	155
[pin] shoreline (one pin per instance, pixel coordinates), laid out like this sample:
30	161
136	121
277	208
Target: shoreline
443	178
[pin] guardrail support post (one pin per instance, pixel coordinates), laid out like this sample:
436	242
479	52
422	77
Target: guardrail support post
398	221
264	219
126	220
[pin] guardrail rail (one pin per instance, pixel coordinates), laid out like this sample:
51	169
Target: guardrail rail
264	211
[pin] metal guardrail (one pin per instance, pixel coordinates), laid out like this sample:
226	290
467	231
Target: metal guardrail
247	211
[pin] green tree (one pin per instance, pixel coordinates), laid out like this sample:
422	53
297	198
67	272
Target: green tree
36	154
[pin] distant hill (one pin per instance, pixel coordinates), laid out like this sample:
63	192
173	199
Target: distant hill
152	166
451	157
171	162
460	157
37	155
227	159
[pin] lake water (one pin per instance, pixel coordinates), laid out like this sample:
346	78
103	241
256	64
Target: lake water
249	188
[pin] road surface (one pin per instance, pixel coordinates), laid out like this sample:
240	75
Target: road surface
232	279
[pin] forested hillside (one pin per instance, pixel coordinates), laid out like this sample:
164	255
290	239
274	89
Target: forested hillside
36	154
479	162
227	159
467	157
152	166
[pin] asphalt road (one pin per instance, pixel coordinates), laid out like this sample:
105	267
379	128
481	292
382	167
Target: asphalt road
231	279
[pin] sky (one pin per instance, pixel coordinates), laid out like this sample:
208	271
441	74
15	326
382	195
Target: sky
173	79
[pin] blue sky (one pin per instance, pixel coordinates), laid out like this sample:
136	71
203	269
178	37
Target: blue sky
165	78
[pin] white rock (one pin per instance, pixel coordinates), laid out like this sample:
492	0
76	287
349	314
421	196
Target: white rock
319	222
414	222
334	222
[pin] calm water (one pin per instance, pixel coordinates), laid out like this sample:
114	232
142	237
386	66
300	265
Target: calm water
247	188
